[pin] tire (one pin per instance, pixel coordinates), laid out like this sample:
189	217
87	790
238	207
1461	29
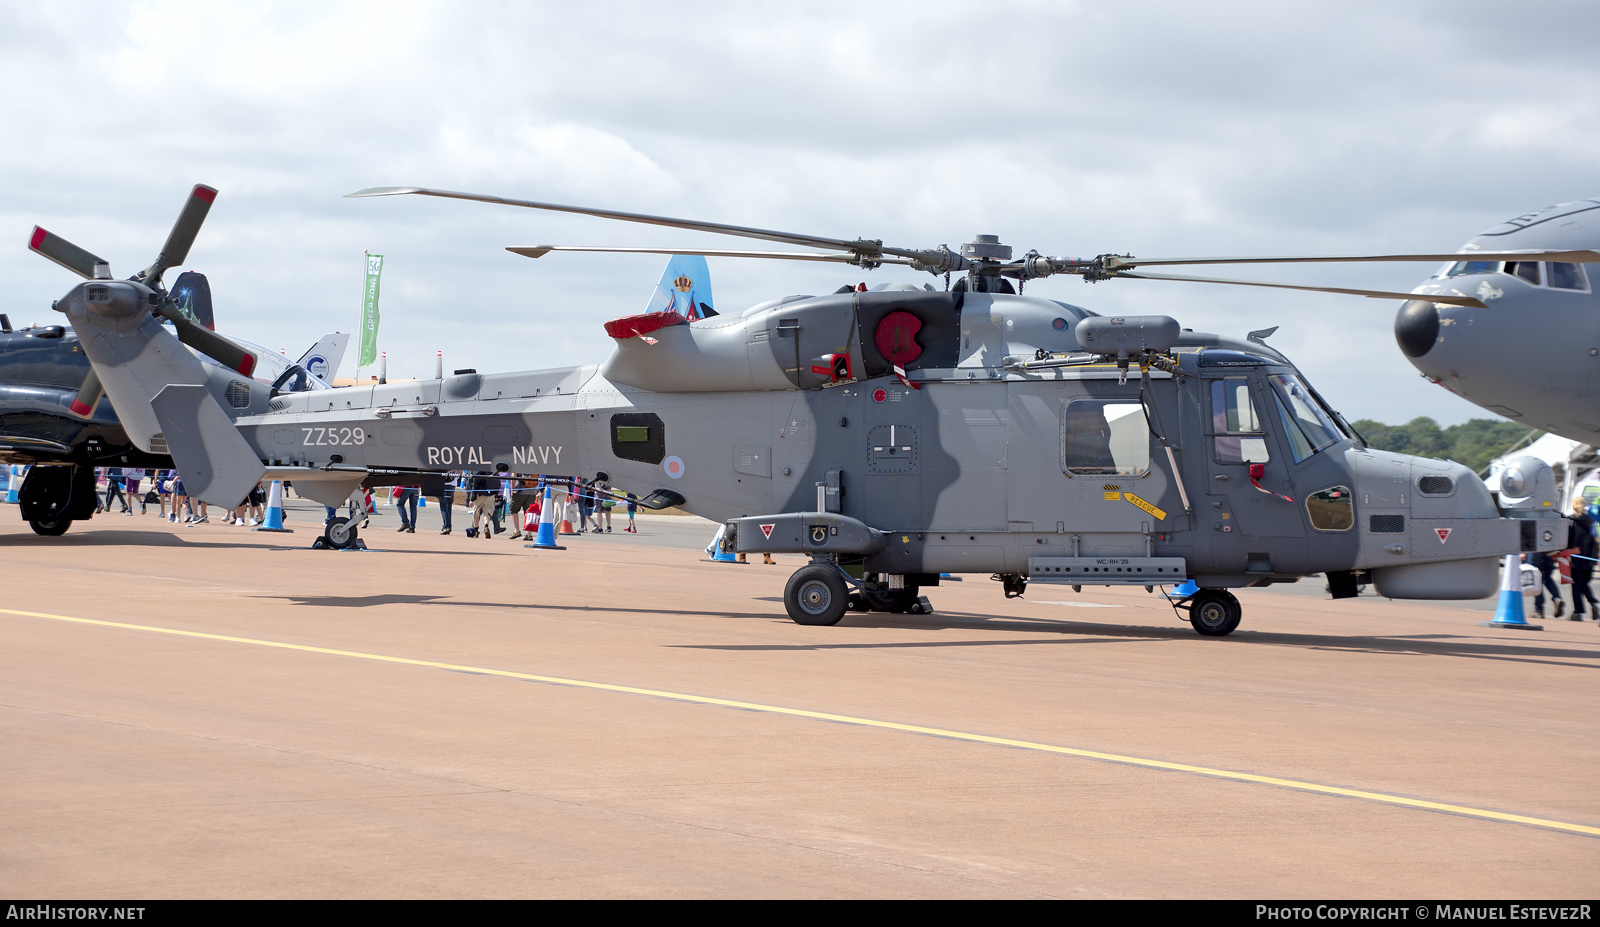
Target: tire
1214	612
816	595
51	527
340	533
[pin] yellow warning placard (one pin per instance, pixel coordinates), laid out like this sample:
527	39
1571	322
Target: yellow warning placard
1160	515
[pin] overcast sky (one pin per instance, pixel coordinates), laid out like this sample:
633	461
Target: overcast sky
1160	128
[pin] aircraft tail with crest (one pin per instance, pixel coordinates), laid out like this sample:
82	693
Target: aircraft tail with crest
685	288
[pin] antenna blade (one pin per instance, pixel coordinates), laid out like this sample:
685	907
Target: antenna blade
63	252
788	238
539	251
1570	257
1375	294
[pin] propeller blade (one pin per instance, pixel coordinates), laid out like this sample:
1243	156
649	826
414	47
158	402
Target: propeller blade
539	251
65	253
206	341
1570	257
183	233
89	394
1375	294
860	246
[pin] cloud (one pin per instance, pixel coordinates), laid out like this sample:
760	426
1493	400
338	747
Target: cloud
1156	128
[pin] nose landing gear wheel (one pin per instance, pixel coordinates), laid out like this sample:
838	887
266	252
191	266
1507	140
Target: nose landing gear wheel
816	595
1214	612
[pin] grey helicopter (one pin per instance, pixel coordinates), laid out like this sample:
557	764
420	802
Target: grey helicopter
1530	350
891	436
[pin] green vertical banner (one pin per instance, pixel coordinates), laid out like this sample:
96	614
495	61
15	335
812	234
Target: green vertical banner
369	311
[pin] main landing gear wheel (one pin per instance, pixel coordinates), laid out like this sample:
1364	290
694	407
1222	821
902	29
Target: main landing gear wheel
1214	612
816	595
340	533
51	527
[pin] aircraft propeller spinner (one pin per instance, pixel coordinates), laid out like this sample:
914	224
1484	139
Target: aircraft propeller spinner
176	250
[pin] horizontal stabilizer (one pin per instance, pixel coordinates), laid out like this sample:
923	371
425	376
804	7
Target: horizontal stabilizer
215	461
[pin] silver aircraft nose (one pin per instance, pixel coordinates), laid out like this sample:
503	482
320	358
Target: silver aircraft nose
1416	327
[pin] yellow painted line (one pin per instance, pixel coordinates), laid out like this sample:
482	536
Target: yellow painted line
1295	784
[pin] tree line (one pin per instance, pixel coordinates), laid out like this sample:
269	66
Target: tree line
1473	443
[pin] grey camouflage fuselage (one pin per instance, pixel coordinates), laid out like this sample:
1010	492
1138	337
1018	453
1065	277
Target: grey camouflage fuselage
969	473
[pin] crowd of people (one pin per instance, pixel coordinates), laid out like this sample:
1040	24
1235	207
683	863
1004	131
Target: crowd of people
127	487
498	503
505	503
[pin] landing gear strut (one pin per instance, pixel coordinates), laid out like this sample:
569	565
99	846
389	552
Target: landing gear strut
1214	612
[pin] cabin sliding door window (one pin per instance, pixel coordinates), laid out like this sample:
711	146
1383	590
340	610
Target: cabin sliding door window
1105	438
1235	424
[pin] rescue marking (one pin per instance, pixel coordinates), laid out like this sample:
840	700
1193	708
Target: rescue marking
1443	533
1160	514
1140	762
767	530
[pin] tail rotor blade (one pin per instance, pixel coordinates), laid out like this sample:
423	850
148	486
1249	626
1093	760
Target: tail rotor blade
183	233
65	253
89	394
208	342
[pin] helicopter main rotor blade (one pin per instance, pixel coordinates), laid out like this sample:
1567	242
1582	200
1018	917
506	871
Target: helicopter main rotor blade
860	246
1375	294
65	253
183	233
206	341
539	251
1570	257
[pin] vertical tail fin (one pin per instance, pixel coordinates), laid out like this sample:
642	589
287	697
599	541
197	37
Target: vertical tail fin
685	287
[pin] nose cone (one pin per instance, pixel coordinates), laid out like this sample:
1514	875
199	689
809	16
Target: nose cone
1416	327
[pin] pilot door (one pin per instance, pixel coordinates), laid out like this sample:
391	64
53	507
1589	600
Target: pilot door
1251	493
1083	461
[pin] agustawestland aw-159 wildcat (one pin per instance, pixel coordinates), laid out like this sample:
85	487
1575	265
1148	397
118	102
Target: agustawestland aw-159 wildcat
890	435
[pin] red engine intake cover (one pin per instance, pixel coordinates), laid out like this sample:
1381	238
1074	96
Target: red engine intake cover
643	324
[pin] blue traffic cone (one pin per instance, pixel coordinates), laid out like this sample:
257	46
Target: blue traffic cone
274	519
1508	612
715	551
15	483
545	539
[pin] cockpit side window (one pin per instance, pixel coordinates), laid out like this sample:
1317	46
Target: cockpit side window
1527	270
1463	268
1234	421
1307	427
1567	276
1105	438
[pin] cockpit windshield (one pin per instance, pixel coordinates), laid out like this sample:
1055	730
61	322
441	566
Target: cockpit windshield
296	379
1308	428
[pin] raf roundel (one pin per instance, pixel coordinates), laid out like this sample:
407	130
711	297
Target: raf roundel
673	466
879	395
